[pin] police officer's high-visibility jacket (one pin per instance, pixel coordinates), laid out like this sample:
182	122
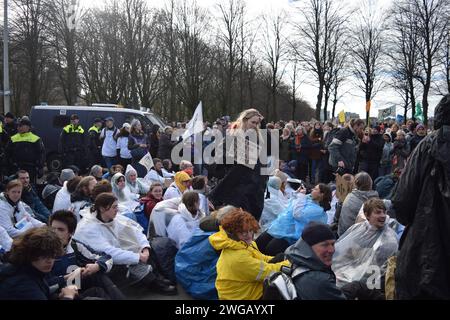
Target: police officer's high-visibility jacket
72	139
26	148
4	139
94	138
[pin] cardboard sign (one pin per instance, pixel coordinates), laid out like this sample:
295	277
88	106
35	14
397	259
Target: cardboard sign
343	188
147	161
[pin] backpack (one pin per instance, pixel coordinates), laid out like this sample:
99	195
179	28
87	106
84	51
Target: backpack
330	136
280	285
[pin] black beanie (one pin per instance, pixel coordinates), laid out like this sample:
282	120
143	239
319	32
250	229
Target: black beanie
316	232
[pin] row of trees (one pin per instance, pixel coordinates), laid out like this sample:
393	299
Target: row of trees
170	58
128	53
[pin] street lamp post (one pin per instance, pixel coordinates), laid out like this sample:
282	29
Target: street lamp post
6	90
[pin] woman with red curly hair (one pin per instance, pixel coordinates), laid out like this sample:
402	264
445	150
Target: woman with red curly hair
241	268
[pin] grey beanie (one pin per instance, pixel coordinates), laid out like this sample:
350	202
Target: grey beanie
66	175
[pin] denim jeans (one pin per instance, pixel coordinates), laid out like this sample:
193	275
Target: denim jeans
110	161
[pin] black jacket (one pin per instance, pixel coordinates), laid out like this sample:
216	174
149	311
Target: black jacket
343	147
23	283
72	140
317	284
373	150
165	146
243	188
26	149
421	201
415	140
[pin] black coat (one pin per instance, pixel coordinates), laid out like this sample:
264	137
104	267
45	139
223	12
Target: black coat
373	150
421	201
415	140
23	283
165	146
241	187
317	284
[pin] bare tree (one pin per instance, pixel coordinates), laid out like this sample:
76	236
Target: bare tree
320	19
28	40
275	51
403	53
66	46
367	50
432	22
336	62
194	63
103	67
445	66
231	23
295	84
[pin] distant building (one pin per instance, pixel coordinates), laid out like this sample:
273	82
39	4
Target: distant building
351	115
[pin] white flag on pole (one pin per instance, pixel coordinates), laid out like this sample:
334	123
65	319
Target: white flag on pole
196	124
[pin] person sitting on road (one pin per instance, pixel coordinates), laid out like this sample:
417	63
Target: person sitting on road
200	186
183	224
62	198
31	197
81	198
153	197
167	169
117	168
241	268
179	186
15	216
52	186
274	203
365	245
93	266
31	259
5	242
128	201
124	241
156	174
195	262
287	228
313	254
97	172
353	202
135	185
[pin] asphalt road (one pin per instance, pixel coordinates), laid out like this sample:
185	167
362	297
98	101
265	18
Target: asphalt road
142	294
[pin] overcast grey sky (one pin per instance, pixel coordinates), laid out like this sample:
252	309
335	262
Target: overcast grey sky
353	100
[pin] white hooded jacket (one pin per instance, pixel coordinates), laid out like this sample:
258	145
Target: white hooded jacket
121	238
182	225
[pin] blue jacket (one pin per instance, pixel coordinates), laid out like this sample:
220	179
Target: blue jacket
289	224
195	266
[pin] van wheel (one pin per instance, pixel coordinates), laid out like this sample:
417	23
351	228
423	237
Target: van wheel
54	163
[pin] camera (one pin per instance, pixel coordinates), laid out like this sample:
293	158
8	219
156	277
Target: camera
340	171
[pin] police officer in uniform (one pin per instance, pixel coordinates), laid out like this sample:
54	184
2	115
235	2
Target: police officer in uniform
25	151
95	143
72	144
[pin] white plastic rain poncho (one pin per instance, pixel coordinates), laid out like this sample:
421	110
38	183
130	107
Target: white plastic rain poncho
362	251
274	203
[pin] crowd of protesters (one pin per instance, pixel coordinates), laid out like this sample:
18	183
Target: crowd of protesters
221	231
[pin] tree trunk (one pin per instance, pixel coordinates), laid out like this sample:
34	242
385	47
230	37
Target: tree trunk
319	100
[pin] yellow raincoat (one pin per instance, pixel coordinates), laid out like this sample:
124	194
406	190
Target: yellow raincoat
241	269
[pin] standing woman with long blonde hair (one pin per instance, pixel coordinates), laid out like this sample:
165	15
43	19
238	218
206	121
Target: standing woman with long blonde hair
243	185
